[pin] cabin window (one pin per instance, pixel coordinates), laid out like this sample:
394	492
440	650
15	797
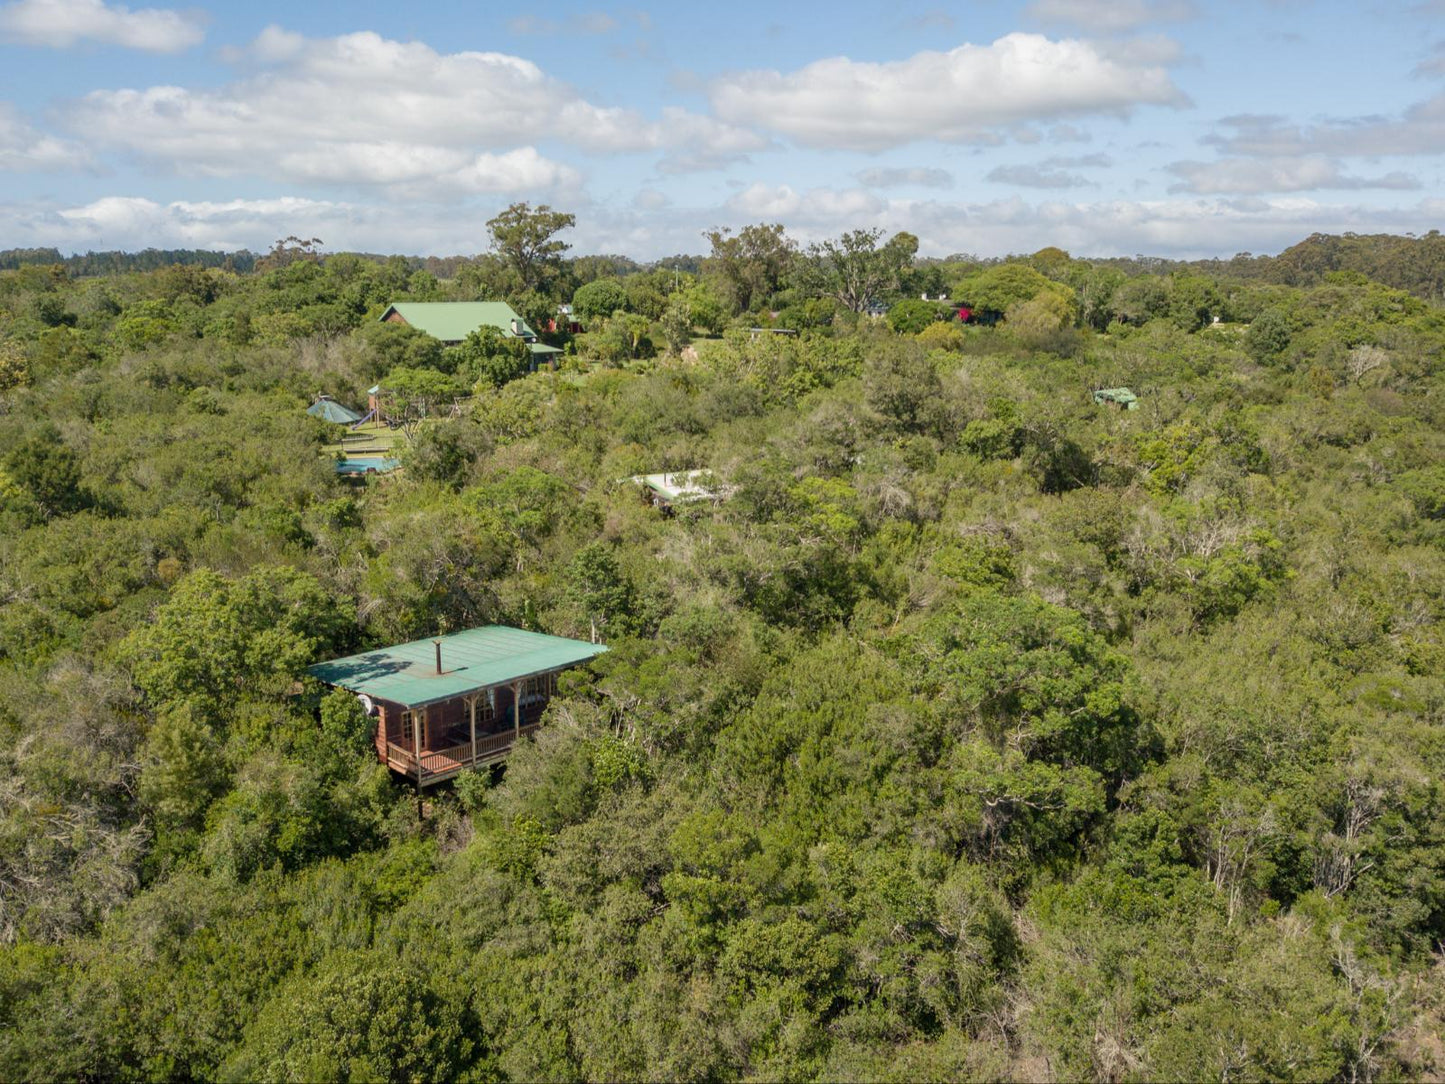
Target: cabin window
538	688
408	729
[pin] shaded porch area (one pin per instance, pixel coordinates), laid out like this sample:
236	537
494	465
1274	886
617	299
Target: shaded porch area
433	744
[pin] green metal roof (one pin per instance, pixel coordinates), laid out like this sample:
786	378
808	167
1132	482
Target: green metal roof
453	321
330	410
471	660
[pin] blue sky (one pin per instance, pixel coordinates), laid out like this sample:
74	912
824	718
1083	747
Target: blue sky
1167	127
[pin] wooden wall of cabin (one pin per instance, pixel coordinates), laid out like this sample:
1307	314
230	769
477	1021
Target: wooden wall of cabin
437	720
388	726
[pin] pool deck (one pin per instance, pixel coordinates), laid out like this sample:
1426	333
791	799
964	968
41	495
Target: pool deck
373	438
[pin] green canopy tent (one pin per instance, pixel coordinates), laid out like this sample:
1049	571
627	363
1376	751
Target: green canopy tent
328	409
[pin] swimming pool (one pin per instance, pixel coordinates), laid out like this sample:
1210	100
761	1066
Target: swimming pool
368	464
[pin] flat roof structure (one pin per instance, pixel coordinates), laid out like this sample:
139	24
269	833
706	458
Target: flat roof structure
680	487
407	674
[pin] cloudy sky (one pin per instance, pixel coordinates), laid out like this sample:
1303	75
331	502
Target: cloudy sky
1168	127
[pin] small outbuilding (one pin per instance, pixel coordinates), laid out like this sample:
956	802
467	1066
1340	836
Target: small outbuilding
329	410
457	701
666	491
1122	398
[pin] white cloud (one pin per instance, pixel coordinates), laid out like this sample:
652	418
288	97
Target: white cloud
1434	64
427	171
134	223
1039	176
1177	228
1110	16
1078	161
362	109
1068	133
921	177
1141	50
815	205
650	199
1420	129
958	96
701	143
1183	228
24	150
932	19
588	23
1249	176
61	24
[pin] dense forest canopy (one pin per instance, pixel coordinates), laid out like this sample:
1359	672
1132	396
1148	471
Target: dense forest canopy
980	729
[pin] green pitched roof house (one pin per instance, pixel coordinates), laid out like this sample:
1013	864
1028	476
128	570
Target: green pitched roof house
453	321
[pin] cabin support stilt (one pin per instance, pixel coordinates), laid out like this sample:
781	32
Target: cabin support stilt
418	720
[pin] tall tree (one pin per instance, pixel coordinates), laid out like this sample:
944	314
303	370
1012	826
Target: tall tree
525	237
289	250
854	270
752	262
599	587
50	470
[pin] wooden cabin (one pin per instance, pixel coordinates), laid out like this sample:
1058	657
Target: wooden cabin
457	701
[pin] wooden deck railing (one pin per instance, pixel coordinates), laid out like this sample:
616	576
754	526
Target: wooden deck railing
439	764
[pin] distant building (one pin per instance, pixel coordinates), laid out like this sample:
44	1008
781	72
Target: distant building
453	321
329	410
666	491
565	320
1122	398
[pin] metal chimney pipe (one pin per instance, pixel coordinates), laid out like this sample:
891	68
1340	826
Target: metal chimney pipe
439	655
